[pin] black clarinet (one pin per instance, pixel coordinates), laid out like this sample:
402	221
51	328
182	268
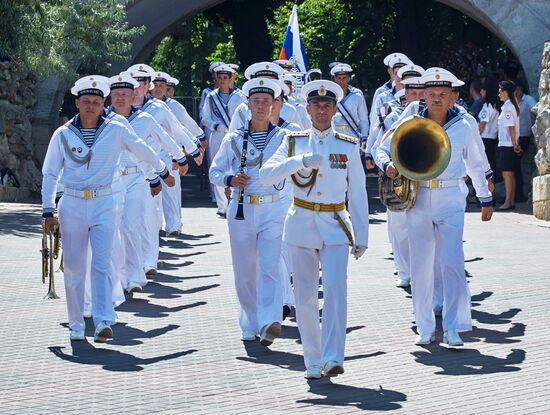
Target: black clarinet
240	207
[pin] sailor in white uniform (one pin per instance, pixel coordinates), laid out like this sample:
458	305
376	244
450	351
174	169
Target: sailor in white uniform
435	223
325	168
217	110
352	117
267	70
171	206
88	150
255	235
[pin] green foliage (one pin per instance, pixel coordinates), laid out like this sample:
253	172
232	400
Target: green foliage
61	36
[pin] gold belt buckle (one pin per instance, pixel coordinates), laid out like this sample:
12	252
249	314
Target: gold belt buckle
317	207
254	200
88	194
124	171
434	184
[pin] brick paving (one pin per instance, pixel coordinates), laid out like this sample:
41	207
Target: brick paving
177	347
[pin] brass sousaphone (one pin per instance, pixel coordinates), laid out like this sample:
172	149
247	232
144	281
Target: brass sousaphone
420	150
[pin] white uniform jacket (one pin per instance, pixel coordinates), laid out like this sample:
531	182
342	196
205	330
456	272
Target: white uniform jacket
465	155
216	116
67	144
167	120
352	117
184	118
340	176
227	162
377	115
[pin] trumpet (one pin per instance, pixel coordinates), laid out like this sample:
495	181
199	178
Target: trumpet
50	252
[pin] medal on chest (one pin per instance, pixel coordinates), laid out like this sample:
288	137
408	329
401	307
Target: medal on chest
338	161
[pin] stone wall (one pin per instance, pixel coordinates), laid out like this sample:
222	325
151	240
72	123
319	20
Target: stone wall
17	100
541	131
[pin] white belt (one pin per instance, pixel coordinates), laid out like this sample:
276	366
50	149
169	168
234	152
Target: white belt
88	193
130	170
258	200
438	184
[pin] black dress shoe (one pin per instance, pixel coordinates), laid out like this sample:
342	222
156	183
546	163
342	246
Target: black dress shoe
512	207
286	311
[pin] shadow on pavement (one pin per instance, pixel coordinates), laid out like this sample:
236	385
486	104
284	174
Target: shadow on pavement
167	291
23	223
160	277
468	361
144	308
85	353
333	394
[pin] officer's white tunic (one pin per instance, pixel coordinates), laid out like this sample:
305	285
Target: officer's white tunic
94	219
216	117
352	117
314	237
256	240
435	225
171	204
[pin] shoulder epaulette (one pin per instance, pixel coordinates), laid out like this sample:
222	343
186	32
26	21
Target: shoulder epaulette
298	134
345	137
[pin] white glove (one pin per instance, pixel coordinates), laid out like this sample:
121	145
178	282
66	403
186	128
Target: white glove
357	251
311	160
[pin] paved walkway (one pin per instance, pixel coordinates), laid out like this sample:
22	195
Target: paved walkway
177	347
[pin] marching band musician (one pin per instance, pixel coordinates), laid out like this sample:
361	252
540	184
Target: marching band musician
256	236
87	149
352	117
325	167
139	238
218	108
435	223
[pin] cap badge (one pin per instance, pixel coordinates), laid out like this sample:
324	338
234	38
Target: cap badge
94	84
437	76
261	82
120	78
322	90
141	67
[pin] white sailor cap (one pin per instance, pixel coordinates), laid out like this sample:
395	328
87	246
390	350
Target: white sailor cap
214	66
91	85
122	80
141	72
322	89
172	81
440	77
399	94
233	65
394	55
410	70
285	90
161	76
288	78
224	69
341	69
262	85
263	69
333	64
413	83
398	62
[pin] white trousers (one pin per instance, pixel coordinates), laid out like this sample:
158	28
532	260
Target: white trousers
219	191
132	229
285	268
256	251
92	221
435	226
321	342
399	239
152	207
171	202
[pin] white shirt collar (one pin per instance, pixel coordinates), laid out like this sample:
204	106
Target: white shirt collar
320	134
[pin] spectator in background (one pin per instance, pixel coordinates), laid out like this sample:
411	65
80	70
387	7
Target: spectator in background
488	119
526	121
477	99
508	140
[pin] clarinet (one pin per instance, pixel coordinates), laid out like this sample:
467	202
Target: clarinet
240	207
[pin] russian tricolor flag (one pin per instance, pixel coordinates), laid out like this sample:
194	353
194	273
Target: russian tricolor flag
292	45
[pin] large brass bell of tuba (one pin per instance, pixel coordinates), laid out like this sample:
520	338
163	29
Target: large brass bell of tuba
420	150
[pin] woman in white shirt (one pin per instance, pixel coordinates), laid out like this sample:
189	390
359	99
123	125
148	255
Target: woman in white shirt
508	140
488	119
